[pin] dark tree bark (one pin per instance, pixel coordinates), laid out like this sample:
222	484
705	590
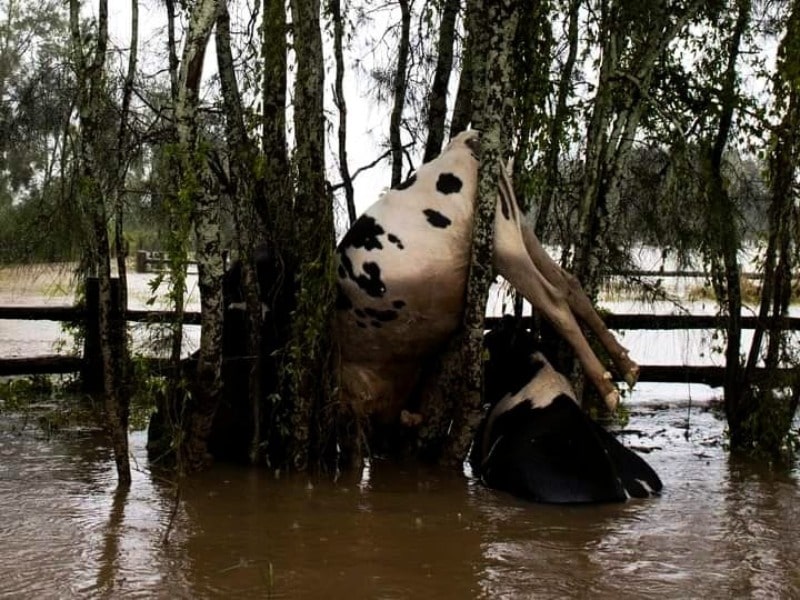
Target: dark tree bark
335	11
242	153
724	234
556	127
123	159
437	98
275	195
172	50
310	363
399	93
462	108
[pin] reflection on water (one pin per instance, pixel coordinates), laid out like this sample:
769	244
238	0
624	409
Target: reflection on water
721	529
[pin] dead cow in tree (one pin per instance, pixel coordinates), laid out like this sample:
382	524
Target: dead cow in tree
403	270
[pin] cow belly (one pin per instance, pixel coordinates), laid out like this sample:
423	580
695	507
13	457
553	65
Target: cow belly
384	341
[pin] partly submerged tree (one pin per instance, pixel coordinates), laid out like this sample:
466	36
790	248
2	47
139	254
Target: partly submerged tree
95	188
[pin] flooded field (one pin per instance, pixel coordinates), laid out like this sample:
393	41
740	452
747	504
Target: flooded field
721	529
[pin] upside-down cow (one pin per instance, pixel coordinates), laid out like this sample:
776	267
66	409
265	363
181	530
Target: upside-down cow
403	270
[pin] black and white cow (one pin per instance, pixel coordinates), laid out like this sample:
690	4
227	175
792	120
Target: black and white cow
537	443
402	278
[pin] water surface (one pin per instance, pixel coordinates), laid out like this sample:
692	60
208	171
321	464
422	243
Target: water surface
721	529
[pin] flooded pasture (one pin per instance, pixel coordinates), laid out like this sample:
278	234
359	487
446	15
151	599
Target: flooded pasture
721	529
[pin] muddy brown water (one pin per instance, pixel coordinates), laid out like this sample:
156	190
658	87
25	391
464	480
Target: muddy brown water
721	529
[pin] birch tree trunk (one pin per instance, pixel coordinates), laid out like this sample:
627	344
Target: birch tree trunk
310	366
494	92
205	209
611	130
93	189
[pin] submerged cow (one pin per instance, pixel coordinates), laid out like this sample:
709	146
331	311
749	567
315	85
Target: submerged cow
537	443
403	270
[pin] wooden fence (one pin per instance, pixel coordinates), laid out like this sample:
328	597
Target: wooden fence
88	364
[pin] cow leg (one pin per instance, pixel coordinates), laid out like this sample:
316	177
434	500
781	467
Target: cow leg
580	305
516	266
514	262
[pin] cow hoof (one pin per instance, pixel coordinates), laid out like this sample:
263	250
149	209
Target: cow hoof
410	419
612	400
632	376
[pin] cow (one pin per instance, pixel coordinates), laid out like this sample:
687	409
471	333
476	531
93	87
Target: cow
537	443
402	276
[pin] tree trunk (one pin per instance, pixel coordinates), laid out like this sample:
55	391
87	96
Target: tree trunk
400	84
772	411
462	107
205	397
724	235
335	10
242	154
311	368
437	98
611	134
93	188
276	195
494	92
556	126
123	160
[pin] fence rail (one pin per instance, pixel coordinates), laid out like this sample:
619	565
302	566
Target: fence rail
710	375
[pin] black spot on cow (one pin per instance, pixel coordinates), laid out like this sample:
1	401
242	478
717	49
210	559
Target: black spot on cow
342	299
398	304
363	234
381	315
436	218
342	272
361	324
370	281
448	184
395	240
407	183
360	313
376	324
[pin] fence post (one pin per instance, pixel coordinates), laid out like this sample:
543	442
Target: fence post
92	369
141	261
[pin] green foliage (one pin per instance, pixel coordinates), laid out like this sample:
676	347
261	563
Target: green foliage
48	403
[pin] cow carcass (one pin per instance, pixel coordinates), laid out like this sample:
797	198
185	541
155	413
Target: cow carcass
402	276
537	443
